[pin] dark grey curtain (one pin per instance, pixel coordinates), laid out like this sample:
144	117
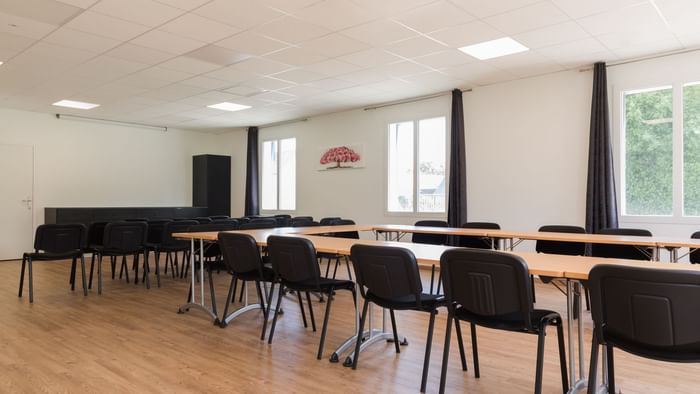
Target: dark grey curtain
457	201
252	202
601	200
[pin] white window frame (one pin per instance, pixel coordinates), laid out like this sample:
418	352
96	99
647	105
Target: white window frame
416	154
279	163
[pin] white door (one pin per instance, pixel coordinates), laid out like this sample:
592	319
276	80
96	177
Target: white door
16	191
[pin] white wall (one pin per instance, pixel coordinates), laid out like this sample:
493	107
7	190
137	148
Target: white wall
78	163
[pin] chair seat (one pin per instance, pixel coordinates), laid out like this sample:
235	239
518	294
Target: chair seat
324	285
428	301
509	322
39	256
268	275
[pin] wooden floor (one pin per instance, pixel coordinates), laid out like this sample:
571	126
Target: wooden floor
130	339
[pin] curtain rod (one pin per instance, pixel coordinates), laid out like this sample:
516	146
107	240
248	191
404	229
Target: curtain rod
411	100
643	58
282	123
117	122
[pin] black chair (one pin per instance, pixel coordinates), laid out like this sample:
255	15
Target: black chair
203	220
561	247
433	239
95	237
328	220
491	289
337	257
258	224
219	217
172	246
389	277
243	219
622	251
242	259
232	222
153	241
296	268
56	242
123	239
470	241
694	255
301	223
650	313
282	220
306	218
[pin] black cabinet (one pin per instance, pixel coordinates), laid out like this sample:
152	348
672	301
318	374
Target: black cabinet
108	214
211	183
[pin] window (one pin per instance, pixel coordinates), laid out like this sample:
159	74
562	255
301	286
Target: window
416	166
279	174
661	151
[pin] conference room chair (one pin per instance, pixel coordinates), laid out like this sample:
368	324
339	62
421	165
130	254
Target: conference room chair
153	241
622	251
219	217
337	257
491	289
650	313
232	222
133	220
122	239
171	246
282	220
432	239
243	219
95	237
295	222
560	247
296	268
694	255
203	219
243	262
258	224
328	220
389	277
307	218
53	242
469	241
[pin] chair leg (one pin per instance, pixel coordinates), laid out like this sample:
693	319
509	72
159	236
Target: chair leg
428	347
136	268
240	296
460	342
235	287
532	285
393	329
432	278
311	311
475	351
99	274
31	282
72	274
611	368
211	290
335	267
113	263
562	356
125	269
267	310
301	305
588	298
82	271
261	299
92	269
21	276
277	312
157	256
228	300
324	330
446	350
593	369
540	359
360	331
328	268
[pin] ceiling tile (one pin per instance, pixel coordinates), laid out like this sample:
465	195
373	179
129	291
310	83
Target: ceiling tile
552	35
262	66
370	58
154	78
81	40
218	55
401	69
333	45
175	91
167	42
637	37
434	16
231	75
199	28
484	8
252	43
58	57
107	26
243	14
267	83
45	11
291	30
648	48
301	90
79	3
106	68
183	4
206	82
621	19
138	53
578	9
209	98
296	57
288	5
24	27
466	34
299	76
389	8
414	47
189	65
14	43
527	18
332	67
362	77
243	91
379	32
446	58
144	12
335	14
274	97
575	51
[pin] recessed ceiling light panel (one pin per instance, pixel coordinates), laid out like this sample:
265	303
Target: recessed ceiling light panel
226	106
75	104
494	48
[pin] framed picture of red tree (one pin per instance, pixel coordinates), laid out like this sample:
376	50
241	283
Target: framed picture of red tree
340	157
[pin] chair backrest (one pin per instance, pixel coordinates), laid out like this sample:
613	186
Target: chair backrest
178	226
135	220
558	247
488	283
386	272
307	218
302	223
96	233
282	220
649	312
294	259
257	224
203	220
468	241
231	222
621	251
125	237
241	253
346	234
695	253
210	227
243	219
219	217
433	239
60	238
155	230
327	221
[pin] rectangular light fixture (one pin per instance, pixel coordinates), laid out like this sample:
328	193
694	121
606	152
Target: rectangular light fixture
0	63
226	106
75	104
494	48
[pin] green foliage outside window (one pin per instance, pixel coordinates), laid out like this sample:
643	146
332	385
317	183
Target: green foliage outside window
691	150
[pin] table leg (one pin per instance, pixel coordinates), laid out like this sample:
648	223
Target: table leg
573	295
193	301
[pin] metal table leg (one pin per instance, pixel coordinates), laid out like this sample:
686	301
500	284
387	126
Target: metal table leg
201	305
245	308
573	294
